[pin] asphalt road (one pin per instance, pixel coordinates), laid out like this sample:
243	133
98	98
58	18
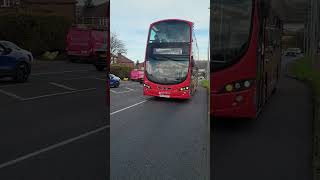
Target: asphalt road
276	146
153	139
55	126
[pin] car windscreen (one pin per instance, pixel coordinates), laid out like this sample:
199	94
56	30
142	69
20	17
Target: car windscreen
10	45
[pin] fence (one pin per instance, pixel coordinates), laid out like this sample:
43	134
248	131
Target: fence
98	21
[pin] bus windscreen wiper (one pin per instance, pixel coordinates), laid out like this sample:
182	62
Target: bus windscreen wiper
169	58
154	57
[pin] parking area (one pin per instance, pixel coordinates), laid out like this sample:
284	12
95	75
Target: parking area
154	138
58	117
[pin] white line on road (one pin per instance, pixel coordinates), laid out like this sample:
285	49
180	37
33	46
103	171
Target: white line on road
61	72
62	86
56	94
100	79
85	77
120	110
130	89
68	141
121	92
114	91
11	94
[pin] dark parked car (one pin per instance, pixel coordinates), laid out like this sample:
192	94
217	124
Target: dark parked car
14	61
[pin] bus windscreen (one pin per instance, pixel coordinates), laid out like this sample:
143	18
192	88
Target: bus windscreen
230	31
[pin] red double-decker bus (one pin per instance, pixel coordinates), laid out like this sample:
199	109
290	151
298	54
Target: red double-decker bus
245	56
170	61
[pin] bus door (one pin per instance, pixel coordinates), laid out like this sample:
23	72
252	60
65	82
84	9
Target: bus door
274	56
260	64
194	78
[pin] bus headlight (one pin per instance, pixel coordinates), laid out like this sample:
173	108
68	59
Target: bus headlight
184	88
237	86
147	86
229	87
247	84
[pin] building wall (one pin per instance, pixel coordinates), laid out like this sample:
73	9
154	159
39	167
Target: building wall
6	10
66	10
131	65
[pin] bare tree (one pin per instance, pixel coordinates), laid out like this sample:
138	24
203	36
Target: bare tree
116	46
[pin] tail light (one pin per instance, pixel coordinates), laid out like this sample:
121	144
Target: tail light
237	86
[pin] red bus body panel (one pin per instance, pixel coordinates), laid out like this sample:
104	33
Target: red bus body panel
222	105
169	91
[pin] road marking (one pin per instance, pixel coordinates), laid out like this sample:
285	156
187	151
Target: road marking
12	85
57	94
121	92
85	77
62	86
130	89
114	91
65	142
11	94
120	110
61	72
100	79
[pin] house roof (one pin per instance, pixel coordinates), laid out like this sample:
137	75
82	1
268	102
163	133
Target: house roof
123	59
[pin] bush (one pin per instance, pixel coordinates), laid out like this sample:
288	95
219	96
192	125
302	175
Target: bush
120	71
37	33
205	84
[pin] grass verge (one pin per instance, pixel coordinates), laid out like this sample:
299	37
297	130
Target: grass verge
302	70
205	84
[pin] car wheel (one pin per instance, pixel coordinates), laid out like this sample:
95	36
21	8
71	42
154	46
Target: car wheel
118	84
22	73
99	68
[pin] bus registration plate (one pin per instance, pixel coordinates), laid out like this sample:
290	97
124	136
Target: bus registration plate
164	95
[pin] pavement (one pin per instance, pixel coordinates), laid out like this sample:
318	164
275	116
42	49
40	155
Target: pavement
55	126
277	146
153	138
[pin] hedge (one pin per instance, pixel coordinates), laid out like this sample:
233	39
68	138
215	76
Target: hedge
121	71
37	33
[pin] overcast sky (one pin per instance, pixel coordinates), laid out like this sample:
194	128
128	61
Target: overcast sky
130	19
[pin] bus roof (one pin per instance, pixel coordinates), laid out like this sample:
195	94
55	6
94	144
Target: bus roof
189	22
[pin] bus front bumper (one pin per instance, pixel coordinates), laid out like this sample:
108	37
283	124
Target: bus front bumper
233	105
167	94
